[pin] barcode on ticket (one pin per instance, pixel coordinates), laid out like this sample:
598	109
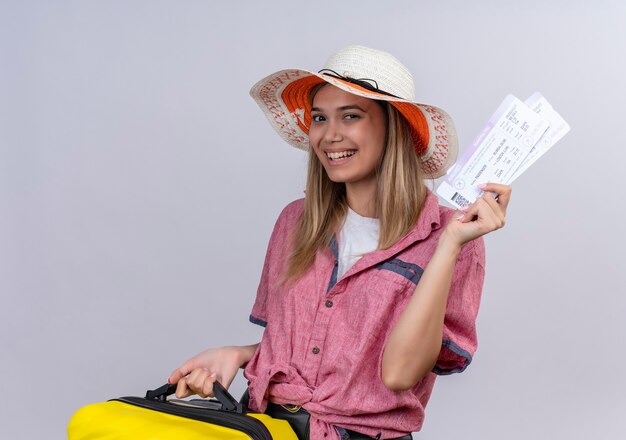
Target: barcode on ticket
460	200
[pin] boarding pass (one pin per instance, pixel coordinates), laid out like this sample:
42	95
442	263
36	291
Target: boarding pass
515	136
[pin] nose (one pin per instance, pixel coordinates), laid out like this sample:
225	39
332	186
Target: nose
333	132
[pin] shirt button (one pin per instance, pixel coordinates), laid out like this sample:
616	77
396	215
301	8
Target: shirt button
345	436
329	303
315	350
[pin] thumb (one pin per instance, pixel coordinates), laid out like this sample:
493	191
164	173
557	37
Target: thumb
178	374
174	377
464	214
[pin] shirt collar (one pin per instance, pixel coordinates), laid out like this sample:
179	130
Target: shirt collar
428	221
429	218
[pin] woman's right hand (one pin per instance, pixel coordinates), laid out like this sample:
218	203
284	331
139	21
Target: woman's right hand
486	214
196	376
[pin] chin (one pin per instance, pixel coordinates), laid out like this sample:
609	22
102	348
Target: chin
339	179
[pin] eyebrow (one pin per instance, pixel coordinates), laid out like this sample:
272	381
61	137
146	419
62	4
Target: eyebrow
342	108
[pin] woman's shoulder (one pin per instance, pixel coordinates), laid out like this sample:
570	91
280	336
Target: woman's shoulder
289	215
292	210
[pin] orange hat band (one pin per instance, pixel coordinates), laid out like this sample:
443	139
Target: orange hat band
296	94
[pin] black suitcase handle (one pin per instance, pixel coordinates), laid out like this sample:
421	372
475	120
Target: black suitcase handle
229	403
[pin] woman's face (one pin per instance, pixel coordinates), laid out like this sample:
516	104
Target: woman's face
348	135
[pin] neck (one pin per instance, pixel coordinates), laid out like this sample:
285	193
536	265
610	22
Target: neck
361	198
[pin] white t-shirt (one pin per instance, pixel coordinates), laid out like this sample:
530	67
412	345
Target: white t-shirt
358	236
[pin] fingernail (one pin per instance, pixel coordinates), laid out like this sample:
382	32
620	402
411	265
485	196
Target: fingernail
213	375
461	217
483	186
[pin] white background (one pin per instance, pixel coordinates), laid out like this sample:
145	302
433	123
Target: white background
139	184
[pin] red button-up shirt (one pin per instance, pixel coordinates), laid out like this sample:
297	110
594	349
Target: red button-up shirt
324	338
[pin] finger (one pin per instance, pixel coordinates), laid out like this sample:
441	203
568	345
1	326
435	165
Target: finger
482	215
207	386
182	390
498	213
195	380
468	213
180	372
176	375
196	377
503	192
494	187
489	214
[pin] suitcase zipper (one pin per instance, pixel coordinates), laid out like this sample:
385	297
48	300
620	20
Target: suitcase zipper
248	425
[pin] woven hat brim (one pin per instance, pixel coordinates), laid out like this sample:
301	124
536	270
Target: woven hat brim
284	99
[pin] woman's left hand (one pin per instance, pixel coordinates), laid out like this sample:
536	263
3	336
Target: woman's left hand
486	214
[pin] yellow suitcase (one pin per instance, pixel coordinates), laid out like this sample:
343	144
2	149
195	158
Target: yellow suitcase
155	417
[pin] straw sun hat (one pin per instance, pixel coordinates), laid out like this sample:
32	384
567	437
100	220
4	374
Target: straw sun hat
284	98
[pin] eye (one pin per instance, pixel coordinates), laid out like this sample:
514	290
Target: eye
351	116
317	118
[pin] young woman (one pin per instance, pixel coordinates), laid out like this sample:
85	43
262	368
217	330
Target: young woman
370	288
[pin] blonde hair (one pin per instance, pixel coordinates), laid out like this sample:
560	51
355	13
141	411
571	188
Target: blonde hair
399	199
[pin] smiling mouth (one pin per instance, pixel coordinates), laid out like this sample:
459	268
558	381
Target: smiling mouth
340	154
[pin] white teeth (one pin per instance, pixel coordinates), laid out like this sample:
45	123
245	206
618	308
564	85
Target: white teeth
339	154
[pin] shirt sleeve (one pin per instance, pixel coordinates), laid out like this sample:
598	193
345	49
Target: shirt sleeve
275	258
459	328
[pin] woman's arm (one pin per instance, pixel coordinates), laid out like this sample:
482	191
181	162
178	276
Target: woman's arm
196	376
415	341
